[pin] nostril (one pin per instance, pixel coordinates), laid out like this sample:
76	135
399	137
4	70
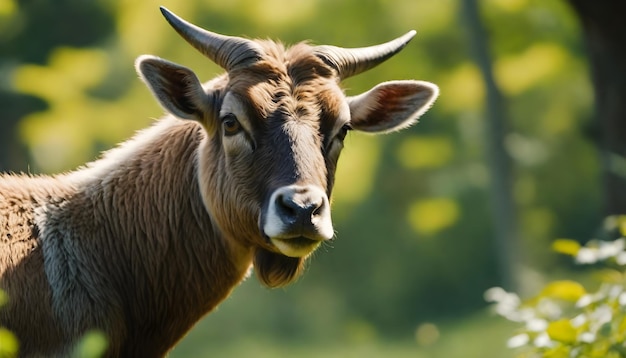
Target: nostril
299	206
318	209
286	206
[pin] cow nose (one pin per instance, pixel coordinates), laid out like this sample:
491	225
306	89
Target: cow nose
298	211
299	207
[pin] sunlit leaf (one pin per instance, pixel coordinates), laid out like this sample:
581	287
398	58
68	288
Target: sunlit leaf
464	89
565	290
429	17
560	351
516	74
430	216
7	7
508	5
562	331
425	152
622	326
8	343
566	246
69	73
136	17
275	13
599	349
92	345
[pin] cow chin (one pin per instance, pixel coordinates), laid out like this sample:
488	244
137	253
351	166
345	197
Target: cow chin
295	247
275	269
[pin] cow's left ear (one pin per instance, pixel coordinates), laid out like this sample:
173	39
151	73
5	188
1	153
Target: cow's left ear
391	106
176	87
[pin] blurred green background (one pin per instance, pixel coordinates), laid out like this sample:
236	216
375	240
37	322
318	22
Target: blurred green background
418	236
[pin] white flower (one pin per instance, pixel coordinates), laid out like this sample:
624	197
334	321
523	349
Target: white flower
587	256
622	299
520	315
536	325
494	294
578	320
518	341
610	248
585	300
543	341
587	337
548	308
506	303
615	291
601	315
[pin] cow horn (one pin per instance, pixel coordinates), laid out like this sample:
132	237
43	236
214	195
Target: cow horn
226	51
352	61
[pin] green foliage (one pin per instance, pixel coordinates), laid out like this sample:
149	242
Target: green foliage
92	345
565	320
9	345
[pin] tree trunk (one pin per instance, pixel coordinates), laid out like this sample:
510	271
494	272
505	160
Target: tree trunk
605	36
502	204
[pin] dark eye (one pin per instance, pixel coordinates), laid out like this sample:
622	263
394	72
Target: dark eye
343	132
231	124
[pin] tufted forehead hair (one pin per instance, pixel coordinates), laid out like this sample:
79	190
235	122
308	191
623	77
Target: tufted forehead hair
293	79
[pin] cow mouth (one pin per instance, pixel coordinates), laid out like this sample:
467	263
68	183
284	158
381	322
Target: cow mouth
295	246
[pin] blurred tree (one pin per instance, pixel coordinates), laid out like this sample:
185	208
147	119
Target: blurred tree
29	31
500	163
605	36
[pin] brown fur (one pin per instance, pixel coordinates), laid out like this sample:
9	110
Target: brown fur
133	253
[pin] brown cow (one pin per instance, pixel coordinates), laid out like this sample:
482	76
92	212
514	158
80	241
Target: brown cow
145	241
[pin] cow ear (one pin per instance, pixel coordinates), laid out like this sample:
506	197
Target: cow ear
176	87
391	106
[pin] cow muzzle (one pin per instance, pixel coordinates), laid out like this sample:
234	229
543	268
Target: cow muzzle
297	219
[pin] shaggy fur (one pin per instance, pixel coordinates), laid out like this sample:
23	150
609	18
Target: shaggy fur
125	246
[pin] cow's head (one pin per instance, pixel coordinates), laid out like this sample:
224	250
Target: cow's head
275	125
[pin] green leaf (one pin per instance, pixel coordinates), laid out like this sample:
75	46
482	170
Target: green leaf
92	345
562	331
565	290
8	343
566	246
557	352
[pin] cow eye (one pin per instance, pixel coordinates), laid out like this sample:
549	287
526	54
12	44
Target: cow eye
231	125
343	132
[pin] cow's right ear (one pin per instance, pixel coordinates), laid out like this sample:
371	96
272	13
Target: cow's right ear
391	106
176	87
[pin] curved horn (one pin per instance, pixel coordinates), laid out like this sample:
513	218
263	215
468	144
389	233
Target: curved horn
226	51
352	61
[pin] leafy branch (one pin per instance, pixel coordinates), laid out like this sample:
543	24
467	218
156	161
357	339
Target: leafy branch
565	320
